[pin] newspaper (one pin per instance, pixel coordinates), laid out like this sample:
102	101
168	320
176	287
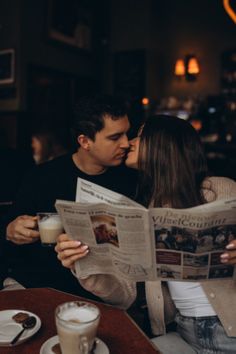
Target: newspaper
139	244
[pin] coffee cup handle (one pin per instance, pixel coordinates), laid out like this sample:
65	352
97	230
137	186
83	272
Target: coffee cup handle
84	349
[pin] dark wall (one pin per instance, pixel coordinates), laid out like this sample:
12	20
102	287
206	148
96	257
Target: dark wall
50	74
171	29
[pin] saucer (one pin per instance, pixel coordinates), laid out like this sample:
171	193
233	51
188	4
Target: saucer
101	347
10	328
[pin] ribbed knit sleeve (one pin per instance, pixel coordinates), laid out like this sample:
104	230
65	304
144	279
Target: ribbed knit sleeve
112	290
216	188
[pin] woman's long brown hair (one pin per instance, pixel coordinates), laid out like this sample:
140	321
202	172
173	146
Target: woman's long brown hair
172	164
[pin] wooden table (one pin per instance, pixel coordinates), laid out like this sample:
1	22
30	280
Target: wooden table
116	328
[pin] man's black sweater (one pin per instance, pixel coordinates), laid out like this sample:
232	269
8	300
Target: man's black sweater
34	265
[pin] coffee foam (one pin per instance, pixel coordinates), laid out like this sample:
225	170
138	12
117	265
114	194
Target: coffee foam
51	222
79	315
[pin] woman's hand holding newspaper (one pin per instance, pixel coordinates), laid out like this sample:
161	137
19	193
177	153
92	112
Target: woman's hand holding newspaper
230	255
69	251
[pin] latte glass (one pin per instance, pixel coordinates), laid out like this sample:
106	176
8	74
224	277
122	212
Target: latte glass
77	324
50	227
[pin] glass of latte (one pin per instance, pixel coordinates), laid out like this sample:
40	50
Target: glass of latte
77	324
50	227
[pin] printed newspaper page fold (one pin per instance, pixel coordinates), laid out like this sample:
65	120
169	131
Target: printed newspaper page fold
130	241
88	192
119	239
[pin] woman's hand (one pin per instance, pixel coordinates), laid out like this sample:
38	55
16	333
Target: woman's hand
69	251
229	256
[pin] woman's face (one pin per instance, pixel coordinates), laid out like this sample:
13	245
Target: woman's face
37	149
132	156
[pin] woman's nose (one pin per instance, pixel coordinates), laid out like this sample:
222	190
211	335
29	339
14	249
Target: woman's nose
133	141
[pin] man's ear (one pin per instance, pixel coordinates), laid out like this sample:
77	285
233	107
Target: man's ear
84	142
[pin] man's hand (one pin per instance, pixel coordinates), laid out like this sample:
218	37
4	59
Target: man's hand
23	230
69	251
229	256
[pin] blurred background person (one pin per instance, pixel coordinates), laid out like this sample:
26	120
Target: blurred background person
48	141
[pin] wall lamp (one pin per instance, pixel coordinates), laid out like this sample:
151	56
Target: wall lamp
187	67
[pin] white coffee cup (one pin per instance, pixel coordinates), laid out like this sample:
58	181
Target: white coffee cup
77	324
50	227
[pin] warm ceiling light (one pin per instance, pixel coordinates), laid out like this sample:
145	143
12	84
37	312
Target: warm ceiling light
179	67
192	66
197	124
145	101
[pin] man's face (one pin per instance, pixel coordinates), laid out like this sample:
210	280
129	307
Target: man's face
111	143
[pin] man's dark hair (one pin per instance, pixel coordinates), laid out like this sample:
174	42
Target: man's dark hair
90	111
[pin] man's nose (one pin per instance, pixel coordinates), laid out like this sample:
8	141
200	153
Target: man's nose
124	142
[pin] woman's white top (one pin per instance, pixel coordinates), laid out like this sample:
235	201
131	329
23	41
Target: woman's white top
190	299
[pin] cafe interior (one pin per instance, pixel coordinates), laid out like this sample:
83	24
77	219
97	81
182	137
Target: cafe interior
161	57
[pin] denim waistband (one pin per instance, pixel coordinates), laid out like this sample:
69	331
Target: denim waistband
198	318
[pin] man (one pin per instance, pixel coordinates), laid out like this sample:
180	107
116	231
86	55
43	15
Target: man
100	126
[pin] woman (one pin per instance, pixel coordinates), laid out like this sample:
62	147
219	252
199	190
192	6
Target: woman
173	173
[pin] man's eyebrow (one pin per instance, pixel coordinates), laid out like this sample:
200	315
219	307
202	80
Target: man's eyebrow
118	133
115	134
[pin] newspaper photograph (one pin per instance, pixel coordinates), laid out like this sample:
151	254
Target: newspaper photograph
140	244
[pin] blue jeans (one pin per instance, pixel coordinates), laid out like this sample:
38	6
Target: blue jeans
205	335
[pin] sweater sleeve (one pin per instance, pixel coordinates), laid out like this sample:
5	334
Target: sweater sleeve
110	289
219	188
